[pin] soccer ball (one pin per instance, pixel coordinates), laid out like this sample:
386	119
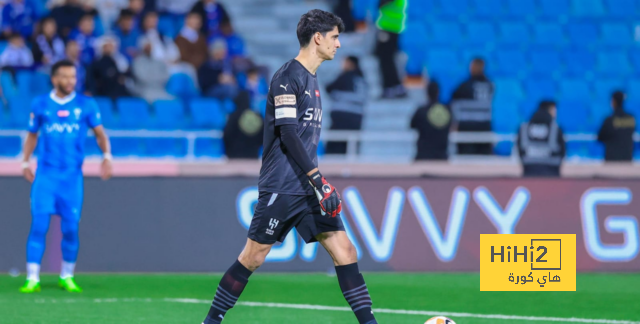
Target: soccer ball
439	320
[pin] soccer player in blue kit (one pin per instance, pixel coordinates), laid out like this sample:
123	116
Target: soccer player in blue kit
292	192
62	119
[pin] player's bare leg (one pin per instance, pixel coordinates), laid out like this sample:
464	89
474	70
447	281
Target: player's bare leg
235	279
354	289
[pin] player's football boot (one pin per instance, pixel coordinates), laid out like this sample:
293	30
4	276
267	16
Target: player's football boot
69	285
30	286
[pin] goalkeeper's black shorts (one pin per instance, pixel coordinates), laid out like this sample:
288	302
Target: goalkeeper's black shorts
276	214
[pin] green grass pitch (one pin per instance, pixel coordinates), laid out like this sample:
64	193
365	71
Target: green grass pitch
184	298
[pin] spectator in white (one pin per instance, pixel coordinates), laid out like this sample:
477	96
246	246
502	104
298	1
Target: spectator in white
108	71
17	55
349	95
151	75
48	47
162	48
191	43
110	10
174	7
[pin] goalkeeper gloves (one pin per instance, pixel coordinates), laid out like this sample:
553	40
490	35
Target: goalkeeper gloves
327	194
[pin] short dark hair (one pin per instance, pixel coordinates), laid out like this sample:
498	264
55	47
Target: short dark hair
477	60
618	98
59	64
317	21
126	13
546	104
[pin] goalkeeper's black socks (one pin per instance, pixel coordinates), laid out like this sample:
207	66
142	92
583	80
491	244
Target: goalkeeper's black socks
231	286
355	292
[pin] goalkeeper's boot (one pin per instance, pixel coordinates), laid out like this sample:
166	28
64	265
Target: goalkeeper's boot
69	285
30	286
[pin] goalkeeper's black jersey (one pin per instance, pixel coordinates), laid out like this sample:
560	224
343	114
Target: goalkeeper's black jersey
294	98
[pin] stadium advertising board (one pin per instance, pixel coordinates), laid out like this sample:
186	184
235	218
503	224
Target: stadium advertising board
403	224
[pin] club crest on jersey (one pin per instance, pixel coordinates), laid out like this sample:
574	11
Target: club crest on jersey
77	112
63	113
317	93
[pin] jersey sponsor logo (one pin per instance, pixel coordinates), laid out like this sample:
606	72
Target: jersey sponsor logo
62	128
313	114
284	87
317	93
284	100
63	113
273	223
286	113
307	93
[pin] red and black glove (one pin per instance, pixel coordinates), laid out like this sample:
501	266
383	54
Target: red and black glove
327	194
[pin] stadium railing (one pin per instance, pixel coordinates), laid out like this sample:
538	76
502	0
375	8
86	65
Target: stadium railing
352	138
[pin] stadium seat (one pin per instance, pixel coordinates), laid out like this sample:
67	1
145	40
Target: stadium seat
480	33
209	148
207	114
169	114
106	111
23	82
622	8
418	10
442	60
574	89
520	8
453	7
633	90
182	86
595	150
616	34
635	58
539	89
166	26
510	61
509	90
548	34
605	87
505	116
413	41
613	63
166	147
10	146
573	116
582	34
599	109
40	84
577	62
228	106
545	62
9	88
514	33
587	8
448	83
445	33
488	8
20	108
134	113
554	8
127	146
577	149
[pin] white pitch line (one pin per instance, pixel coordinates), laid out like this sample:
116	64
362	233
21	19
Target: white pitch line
411	312
347	309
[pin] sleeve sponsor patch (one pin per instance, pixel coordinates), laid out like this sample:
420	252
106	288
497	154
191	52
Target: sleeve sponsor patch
286	113
285	100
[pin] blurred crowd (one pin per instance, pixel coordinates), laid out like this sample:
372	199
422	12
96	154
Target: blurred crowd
132	47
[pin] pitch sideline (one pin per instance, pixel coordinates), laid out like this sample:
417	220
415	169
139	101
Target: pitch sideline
346	309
